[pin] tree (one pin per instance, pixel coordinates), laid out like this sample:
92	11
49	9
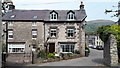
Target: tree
105	31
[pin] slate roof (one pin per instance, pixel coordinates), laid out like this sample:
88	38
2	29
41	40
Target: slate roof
41	15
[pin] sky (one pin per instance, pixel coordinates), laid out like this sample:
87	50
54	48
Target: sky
94	8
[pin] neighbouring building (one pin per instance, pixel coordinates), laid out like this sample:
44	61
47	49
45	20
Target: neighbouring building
28	30
94	40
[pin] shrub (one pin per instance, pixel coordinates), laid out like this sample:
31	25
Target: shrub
50	55
77	52
69	54
42	54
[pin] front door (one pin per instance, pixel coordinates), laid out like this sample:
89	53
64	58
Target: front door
51	47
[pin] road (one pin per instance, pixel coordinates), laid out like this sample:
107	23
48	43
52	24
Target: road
95	59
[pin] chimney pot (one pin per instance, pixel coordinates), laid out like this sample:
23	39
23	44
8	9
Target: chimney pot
81	5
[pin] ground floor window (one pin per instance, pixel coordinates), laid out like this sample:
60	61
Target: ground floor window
68	47
16	48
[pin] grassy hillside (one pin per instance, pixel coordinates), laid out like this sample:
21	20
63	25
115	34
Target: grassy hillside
92	26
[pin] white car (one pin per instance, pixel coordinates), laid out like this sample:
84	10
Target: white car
90	46
94	47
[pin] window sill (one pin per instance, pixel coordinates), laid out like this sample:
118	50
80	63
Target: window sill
66	52
16	52
70	37
34	38
53	37
10	38
34	25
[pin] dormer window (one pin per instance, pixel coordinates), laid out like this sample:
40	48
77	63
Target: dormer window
70	16
53	16
13	16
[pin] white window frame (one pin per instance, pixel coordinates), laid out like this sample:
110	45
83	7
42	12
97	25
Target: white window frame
34	23
14	48
70	30
53	16
10	32
10	23
69	49
34	32
53	30
70	16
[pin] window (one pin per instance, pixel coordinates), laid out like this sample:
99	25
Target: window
34	24
12	16
68	47
53	16
16	48
70	16
10	33
34	33
53	32
70	32
10	23
35	17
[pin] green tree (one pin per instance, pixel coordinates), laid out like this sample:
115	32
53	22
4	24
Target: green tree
105	31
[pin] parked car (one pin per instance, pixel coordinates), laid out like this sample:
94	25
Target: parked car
99	47
94	47
90	46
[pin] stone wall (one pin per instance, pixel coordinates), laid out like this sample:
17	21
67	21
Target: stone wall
19	58
110	52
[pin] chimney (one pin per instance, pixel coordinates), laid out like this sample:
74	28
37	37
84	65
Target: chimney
82	5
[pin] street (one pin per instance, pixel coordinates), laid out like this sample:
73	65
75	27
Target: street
95	59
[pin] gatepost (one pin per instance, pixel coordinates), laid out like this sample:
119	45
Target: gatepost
111	52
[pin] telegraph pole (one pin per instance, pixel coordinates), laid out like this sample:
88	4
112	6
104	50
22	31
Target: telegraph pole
115	15
119	13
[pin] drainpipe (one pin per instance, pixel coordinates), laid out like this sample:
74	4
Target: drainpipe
0	36
44	34
6	37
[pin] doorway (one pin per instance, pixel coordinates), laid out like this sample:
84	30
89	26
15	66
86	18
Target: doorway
51	47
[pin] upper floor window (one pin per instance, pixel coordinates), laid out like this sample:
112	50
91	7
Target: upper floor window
53	16
34	24
10	23
70	32
34	33
53	32
70	16
10	33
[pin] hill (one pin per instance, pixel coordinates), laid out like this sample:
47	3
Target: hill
91	26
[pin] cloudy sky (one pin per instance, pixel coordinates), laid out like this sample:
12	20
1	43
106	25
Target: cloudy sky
94	8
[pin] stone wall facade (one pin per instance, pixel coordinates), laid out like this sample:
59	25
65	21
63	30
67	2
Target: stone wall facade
22	33
79	38
111	52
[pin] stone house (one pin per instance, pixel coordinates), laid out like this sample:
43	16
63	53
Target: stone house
28	30
94	40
